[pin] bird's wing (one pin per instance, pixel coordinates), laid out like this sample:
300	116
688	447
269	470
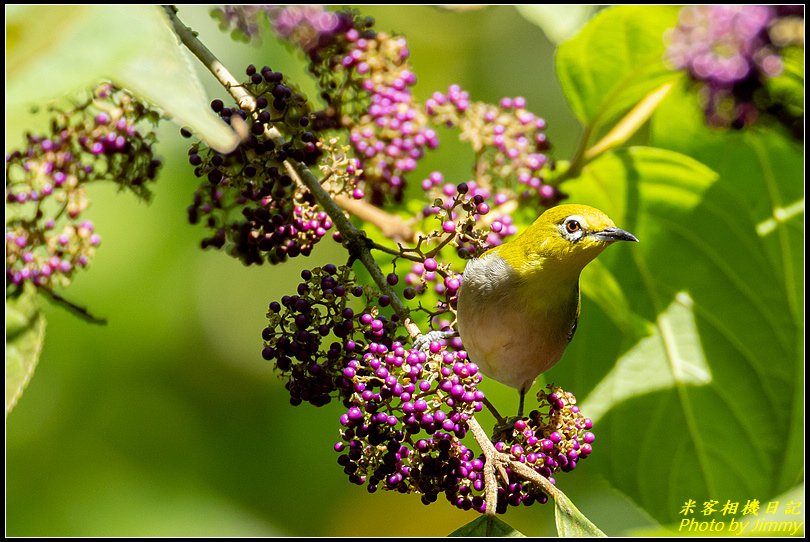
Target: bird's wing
576	318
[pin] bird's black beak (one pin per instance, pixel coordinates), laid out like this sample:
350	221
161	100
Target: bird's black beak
615	234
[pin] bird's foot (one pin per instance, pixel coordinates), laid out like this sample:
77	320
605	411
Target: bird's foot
422	342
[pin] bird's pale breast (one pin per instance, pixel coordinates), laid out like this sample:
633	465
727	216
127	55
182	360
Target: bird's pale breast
507	330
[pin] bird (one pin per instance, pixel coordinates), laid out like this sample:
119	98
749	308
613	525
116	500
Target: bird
518	304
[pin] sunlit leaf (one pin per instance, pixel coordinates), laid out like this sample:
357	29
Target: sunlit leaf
54	51
614	61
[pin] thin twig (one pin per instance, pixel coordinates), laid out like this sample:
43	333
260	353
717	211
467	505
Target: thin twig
78	310
397	253
391	225
500	419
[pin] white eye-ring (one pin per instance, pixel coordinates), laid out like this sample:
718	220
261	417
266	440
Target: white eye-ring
573	227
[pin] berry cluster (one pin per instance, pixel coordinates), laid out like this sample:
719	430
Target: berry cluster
47	239
393	133
731	52
398	395
382	445
467	212
300	326
440	280
509	142
312	28
247	199
552	439
341	172
241	21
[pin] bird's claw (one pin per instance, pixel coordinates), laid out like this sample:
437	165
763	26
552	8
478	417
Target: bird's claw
422	342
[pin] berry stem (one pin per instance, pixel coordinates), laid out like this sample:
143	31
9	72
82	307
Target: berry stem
401	253
432	253
391	225
78	310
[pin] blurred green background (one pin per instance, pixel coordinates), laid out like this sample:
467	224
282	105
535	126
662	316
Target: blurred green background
167	421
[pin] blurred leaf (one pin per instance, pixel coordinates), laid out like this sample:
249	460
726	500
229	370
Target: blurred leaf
53	51
487	525
25	333
614	61
570	521
558	21
788	88
679	413
763	168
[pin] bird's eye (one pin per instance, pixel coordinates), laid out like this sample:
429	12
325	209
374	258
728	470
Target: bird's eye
572	226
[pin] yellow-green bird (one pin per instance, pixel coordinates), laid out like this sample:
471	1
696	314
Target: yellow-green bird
518	304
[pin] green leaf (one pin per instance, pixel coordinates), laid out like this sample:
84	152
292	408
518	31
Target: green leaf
25	333
614	61
703	406
54	51
764	169
570	521
487	525
558	21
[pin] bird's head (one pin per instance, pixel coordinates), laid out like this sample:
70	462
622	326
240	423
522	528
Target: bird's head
566	237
